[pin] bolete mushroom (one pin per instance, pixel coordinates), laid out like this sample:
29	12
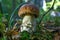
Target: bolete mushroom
29	13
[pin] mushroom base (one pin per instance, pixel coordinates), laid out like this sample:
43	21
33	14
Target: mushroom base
28	24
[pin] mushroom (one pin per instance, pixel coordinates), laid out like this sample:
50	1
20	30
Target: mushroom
29	13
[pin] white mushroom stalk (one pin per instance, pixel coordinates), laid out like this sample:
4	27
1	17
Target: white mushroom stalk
28	23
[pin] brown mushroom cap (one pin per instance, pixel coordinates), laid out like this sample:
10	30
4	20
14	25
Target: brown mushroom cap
28	9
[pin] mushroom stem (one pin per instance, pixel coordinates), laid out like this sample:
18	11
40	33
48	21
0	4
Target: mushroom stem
28	23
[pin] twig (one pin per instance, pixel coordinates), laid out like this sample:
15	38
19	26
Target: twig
47	12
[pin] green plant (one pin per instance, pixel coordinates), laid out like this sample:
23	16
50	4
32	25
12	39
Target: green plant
25	35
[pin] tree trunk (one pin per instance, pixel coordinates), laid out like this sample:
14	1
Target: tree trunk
39	3
13	4
1	7
21	1
27	0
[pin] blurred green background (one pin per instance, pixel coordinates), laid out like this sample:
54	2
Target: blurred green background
51	21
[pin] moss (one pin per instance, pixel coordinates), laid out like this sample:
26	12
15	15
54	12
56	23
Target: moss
2	26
